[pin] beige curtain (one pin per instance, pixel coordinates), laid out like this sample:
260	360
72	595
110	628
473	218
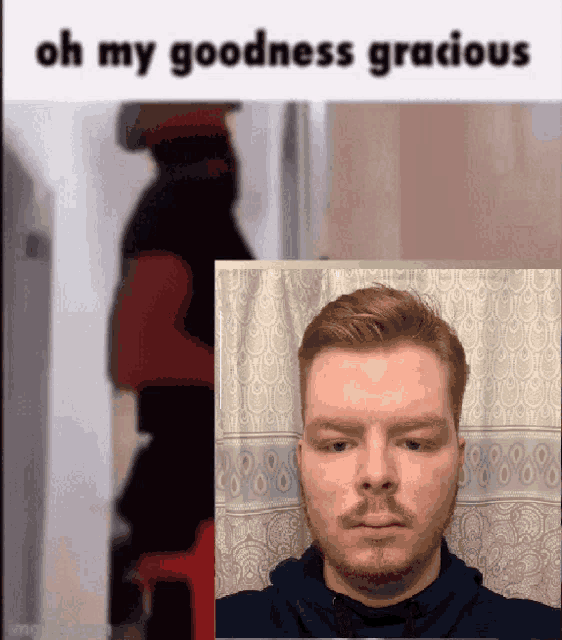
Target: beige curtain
507	521
444	181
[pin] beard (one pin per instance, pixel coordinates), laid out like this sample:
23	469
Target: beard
384	572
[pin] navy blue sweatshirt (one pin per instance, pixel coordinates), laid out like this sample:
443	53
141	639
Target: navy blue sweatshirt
298	604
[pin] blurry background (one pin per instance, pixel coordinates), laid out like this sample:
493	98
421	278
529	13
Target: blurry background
349	181
444	181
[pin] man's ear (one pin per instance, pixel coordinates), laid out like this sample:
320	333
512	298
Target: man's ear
299	453
462	446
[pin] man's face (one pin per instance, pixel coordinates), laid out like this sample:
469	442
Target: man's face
379	446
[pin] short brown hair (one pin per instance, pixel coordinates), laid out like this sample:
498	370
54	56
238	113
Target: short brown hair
380	316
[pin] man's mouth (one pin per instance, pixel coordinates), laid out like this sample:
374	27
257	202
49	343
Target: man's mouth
380	522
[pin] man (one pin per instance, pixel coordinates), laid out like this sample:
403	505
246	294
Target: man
382	382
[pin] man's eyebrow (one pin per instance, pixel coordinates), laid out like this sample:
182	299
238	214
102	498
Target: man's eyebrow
394	425
417	422
336	424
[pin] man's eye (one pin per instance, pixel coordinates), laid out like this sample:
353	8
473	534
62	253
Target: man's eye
336	447
416	445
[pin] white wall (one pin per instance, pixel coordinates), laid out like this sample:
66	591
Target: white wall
93	185
257	130
26	283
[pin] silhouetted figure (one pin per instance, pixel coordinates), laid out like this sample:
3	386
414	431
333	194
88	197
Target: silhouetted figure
189	213
183	223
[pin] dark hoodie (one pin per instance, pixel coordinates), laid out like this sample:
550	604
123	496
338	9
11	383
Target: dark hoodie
298	604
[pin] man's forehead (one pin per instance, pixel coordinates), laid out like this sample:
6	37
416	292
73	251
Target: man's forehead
376	386
340	371
348	357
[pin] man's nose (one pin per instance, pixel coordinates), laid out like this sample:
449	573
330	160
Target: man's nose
377	471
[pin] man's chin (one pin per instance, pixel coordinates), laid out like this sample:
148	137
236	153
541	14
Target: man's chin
373	576
367	569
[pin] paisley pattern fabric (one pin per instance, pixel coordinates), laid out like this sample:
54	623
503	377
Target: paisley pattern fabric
507	521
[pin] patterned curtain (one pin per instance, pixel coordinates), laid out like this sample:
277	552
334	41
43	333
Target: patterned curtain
507	520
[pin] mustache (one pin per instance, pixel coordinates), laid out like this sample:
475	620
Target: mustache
370	506
374	507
